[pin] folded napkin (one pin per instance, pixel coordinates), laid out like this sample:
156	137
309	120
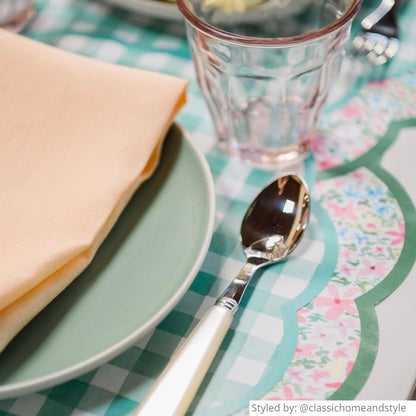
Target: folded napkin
77	137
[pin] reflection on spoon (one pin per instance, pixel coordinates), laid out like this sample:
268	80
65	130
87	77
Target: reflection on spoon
271	229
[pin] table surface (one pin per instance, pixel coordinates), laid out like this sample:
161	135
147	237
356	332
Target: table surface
288	340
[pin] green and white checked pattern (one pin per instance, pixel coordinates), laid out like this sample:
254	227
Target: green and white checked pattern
247	363
94	29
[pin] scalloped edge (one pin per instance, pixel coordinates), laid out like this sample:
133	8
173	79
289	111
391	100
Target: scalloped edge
366	303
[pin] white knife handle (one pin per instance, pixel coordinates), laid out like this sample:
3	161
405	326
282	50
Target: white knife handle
175	388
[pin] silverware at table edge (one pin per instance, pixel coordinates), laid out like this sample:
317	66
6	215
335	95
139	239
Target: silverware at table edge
271	229
378	40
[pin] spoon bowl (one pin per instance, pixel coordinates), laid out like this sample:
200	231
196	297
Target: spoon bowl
275	221
271	229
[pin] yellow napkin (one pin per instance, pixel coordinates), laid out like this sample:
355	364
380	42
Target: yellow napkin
77	137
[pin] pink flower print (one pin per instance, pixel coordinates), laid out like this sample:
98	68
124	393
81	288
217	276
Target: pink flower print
312	390
345	270
365	144
348	211
317	375
345	254
350	365
357	174
336	304
351	111
379	268
379	83
321	335
371	225
294	374
380	127
409	113
333	386
379	249
338	183
287	395
355	343
339	353
399	234
318	187
328	163
345	325
319	141
304	351
301	318
326	155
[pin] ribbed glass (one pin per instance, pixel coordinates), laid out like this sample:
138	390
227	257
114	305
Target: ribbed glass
266	72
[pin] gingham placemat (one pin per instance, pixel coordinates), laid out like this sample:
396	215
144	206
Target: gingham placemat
96	30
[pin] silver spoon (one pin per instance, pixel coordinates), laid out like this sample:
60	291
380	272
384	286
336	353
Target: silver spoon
272	227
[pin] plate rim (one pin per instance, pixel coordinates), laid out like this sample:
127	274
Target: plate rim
14	390
152	8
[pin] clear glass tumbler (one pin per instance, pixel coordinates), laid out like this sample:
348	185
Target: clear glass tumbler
265	68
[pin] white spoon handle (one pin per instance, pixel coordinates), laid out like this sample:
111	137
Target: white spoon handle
175	388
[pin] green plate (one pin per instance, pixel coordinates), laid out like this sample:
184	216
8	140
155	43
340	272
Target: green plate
139	274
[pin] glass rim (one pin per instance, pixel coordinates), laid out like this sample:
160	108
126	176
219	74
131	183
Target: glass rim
213	31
